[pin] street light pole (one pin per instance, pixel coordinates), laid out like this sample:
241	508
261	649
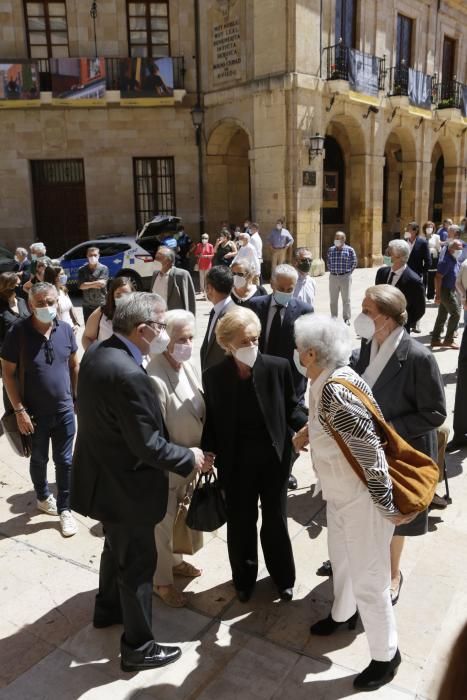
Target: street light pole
93	13
197	117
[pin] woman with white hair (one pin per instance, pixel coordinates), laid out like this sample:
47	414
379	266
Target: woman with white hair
251	411
179	391
244	284
360	518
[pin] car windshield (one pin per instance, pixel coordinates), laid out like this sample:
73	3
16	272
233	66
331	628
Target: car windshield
5	253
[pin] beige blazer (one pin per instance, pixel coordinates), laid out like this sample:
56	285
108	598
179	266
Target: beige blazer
183	423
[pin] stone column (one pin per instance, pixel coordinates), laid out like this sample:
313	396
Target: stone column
454	193
366	208
422	199
309	227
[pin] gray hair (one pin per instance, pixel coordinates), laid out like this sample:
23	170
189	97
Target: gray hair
455	228
176	318
301	250
167	252
389	301
22	251
138	307
340	233
285	271
400	247
249	268
38	246
329	337
42	288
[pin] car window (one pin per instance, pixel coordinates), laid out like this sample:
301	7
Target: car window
111	248
5	253
78	253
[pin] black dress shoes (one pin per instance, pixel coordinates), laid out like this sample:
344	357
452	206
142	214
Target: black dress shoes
286	594
244	596
153	657
328	626
292	483
378	673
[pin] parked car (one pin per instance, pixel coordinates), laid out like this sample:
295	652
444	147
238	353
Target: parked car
160	230
122	254
7	260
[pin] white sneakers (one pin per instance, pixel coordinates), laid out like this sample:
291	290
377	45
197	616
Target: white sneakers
68	524
48	506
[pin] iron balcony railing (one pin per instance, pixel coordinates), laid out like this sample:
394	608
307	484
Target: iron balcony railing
398	81
337	64
112	71
448	94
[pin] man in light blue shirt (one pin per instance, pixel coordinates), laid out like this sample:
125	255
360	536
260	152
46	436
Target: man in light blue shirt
279	240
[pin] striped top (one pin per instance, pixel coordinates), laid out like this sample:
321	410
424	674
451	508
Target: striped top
349	417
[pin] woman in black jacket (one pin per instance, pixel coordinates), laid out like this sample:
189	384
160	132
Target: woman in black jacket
12	309
251	414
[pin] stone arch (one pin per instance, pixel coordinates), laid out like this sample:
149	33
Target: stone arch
444	182
227	174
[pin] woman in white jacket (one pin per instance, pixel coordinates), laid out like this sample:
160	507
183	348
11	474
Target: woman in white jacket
360	518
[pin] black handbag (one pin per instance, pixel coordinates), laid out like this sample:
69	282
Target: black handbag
207	511
21	444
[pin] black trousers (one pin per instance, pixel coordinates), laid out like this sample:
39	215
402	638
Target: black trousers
460	403
258	476
128	562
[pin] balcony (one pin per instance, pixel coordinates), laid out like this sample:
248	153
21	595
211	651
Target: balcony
337	64
447	94
112	70
398	81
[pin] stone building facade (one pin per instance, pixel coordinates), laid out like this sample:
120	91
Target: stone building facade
272	74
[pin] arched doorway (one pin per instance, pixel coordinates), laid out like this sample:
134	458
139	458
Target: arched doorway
228	189
399	184
445	181
437	185
333	190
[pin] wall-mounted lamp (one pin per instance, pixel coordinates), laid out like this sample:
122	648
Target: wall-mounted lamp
197	116
372	110
316	147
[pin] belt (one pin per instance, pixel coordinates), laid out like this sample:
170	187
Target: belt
280	248
338	274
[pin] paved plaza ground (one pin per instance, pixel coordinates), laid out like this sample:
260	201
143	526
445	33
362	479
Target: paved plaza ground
260	650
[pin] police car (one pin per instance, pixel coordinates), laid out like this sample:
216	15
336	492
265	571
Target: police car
120	253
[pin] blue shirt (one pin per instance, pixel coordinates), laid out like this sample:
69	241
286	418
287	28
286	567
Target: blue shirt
342	260
280	239
442	233
47	382
449	268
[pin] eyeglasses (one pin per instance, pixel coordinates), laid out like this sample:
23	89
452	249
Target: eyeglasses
239	274
160	326
49	351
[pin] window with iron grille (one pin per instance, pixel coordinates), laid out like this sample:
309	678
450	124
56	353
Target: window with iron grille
57	172
46	29
148	28
154	182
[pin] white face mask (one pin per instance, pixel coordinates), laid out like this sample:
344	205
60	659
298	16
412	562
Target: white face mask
158	345
246	355
456	254
120	300
296	358
407	236
45	314
429	231
17	259
338	244
205	240
157	266
62	279
93	259
239	282
182	352
279	227
364	326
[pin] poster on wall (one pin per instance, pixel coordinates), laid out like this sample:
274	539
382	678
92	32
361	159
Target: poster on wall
78	82
363	72
19	85
419	89
146	82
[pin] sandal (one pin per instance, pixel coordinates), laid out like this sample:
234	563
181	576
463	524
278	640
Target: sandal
170	596
187	570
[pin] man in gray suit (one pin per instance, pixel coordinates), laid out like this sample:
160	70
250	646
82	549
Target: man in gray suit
219	283
172	283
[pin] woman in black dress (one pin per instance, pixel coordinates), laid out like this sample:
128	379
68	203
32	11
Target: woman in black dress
225	249
12	309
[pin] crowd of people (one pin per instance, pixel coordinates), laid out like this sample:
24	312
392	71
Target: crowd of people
277	379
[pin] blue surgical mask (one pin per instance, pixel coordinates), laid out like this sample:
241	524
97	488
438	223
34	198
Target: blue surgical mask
283	298
387	260
62	279
45	314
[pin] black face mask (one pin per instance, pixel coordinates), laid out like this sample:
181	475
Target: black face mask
304	265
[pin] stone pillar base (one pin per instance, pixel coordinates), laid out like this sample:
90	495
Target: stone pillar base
318	267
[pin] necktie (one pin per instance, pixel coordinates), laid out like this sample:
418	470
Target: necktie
391	277
211	316
273	344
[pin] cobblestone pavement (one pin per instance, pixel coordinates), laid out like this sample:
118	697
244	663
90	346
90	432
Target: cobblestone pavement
49	650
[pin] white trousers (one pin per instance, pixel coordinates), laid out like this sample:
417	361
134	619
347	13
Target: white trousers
359	539
340	284
166	559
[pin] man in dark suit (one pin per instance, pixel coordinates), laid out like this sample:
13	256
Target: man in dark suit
119	476
172	283
401	276
219	283
277	314
419	259
459	439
